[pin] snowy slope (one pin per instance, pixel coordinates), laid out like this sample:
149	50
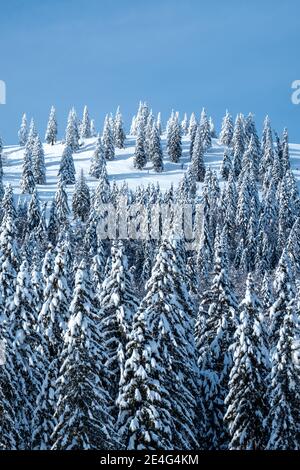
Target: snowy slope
119	169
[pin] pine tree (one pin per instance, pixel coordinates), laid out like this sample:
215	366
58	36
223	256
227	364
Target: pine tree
174	141
284	292
1	180
85	128
108	140
213	133
31	136
197	166
204	130
246	401
27	183
61	201
156	153
23	132
38	162
81	201
34	215
193	125
159	377
98	160
54	313
51	131
226	166
27	351
66	168
284	390
226	130
214	330
119	132
139	158
117	307
9	260
82	414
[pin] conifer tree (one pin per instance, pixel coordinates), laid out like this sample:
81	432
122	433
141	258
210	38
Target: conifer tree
61	202
51	131
23	131
284	389
226	130
27	183
119	132
108	140
226	167
85	128
184	125
66	170
9	260
118	304
98	160
246	401
214	330
149	392
72	133
213	133
204	130
81	201
174	141
139	158
38	162
31	136
82	414
197	166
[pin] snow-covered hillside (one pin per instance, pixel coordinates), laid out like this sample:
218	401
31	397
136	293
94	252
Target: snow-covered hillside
120	169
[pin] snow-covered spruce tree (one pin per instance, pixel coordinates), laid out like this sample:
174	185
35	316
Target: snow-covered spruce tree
250	130
33	213
159	124
197	166
27	351
66	168
286	215
204	129
226	166
293	247
27	183
54	313
139	158
118	304
119	132
108	140
267	158
98	160
159	397
85	128
284	292
193	125
9	260
226	130
23	131
93	128
174	141
72	133
214	330
156	153
184	125
54	226
9	437
82	413
51	131
246	401
61	201
284	389
1	180
81	201
38	162
31	136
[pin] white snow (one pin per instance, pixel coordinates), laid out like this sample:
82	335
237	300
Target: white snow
121	169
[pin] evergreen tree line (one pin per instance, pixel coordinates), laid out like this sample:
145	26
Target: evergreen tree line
143	344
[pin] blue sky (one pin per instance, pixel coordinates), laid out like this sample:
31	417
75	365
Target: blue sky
186	54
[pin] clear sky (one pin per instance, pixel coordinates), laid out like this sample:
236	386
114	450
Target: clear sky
182	54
